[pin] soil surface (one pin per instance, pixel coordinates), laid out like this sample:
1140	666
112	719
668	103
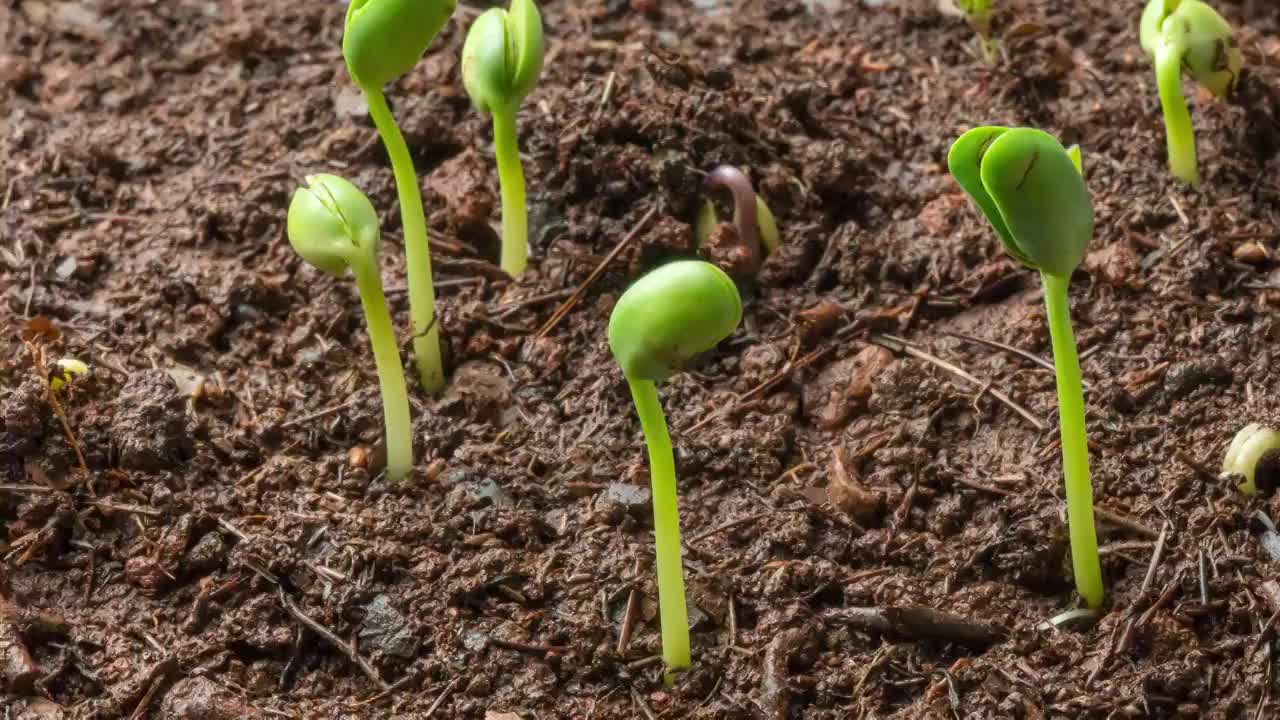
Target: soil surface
208	535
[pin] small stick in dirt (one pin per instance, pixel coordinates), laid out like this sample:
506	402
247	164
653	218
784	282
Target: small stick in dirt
727	526
319	414
894	343
1150	577
1028	356
573	299
160	672
763	387
1202	563
344	647
1199	467
629	615
399	685
644	706
526	647
127	508
1123	521
919	623
444	695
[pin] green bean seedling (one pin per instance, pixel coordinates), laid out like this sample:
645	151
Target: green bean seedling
383	40
675	312
1245	455
978	13
752	218
333	226
1032	191
1187	35
501	61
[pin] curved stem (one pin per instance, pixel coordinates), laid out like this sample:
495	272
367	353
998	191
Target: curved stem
1075	447
386	355
515	240
1177	119
666	525
745	213
422	295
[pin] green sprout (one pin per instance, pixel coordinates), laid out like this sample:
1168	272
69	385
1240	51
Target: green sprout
978	12
1243	458
1187	35
501	60
333	226
677	311
1032	191
756	226
383	40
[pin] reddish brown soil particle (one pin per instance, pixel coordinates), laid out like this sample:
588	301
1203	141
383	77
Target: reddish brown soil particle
232	426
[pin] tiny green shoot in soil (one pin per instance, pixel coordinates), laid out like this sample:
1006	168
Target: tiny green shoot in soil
383	40
1033	193
1248	448
756	227
501	61
978	13
675	312
65	371
333	226
1187	35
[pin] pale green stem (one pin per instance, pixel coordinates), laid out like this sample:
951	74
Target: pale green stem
515	233
1179	132
386	355
422	294
666	525
1075	446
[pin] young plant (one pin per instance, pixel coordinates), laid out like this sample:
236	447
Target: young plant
333	226
1244	457
978	13
382	40
1187	35
501	60
1033	193
754	221
668	316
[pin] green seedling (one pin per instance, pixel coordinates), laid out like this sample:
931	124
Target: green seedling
65	371
1187	35
333	226
1032	191
978	13
668	316
501	60
383	40
1247	450
756	226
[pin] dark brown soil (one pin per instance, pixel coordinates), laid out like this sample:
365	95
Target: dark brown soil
233	553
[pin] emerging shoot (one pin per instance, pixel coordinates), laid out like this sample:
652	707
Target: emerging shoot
65	371
668	316
1187	35
978	13
1244	459
501	60
382	40
333	226
757	229
1032	192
